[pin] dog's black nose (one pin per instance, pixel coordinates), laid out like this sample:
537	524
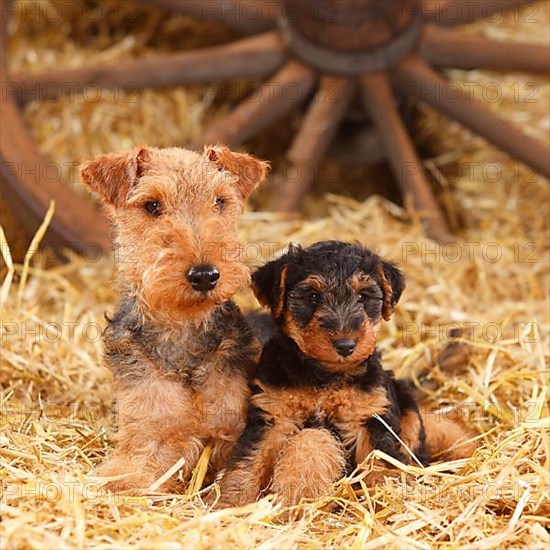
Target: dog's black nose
344	347
203	277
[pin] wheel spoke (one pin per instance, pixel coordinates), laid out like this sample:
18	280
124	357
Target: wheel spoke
428	85
255	56
406	166
451	48
451	12
32	182
313	139
243	15
288	88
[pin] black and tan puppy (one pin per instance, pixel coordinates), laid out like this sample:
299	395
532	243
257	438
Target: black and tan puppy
321	401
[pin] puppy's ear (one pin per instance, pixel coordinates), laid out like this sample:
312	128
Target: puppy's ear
392	283
249	170
113	175
269	282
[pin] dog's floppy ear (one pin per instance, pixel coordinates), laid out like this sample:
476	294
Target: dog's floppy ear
249	170
392	283
114	174
269	282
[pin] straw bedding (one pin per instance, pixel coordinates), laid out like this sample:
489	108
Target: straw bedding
56	419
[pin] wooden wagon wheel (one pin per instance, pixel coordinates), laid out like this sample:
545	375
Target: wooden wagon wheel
332	46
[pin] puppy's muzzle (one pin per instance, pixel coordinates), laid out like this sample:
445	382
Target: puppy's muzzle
344	347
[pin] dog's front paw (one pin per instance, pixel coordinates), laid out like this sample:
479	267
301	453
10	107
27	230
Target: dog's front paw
122	475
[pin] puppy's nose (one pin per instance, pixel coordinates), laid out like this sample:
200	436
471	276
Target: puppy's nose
203	277
344	347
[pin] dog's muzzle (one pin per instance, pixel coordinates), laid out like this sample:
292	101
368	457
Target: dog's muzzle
203	277
344	347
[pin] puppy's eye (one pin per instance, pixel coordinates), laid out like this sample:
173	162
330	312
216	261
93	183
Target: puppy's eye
220	203
313	297
364	296
153	207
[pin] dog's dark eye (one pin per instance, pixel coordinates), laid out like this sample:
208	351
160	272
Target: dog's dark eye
153	208
365	295
220	203
313	297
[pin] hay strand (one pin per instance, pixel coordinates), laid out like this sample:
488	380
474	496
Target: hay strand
33	247
6	255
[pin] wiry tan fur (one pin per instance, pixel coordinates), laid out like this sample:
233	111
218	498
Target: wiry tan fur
343	405
252	477
155	431
410	429
310	462
447	435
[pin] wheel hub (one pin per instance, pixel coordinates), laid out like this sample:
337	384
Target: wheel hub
350	37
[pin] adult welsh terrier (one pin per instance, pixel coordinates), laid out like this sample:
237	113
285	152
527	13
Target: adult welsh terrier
180	350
